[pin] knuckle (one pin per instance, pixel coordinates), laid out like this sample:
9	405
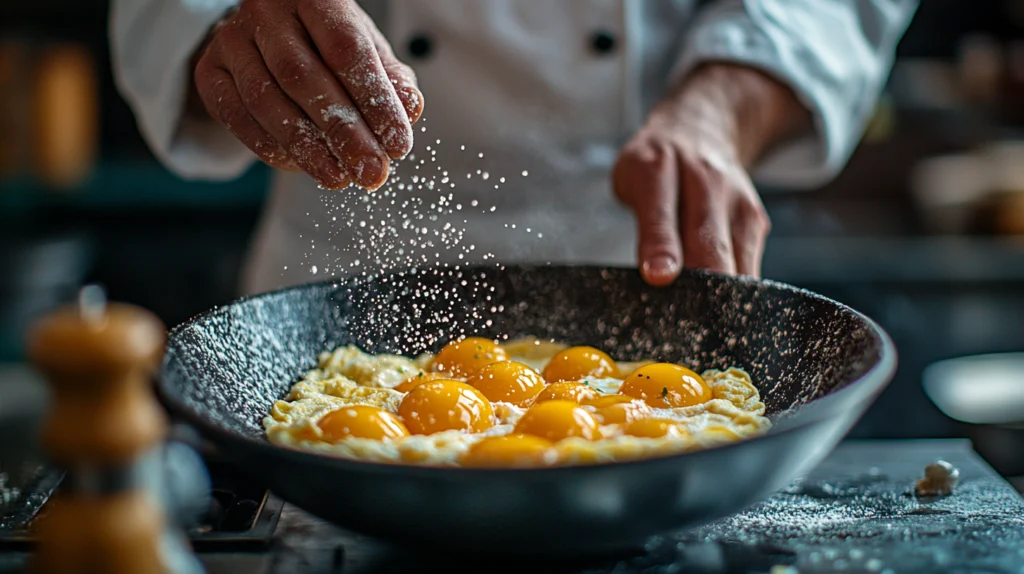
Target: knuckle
342	132
660	234
713	243
636	161
230	115
399	73
644	156
253	89
301	139
752	214
350	49
231	33
289	66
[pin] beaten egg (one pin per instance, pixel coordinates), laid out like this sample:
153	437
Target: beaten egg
524	403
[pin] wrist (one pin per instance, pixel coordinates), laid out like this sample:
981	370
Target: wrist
750	111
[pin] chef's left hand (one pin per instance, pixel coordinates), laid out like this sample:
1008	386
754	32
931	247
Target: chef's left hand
685	176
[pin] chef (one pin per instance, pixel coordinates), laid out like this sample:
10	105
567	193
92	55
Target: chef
616	132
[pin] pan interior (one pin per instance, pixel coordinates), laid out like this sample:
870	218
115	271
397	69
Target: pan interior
229	365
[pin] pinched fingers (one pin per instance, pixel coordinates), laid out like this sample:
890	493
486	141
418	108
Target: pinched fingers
305	79
341	37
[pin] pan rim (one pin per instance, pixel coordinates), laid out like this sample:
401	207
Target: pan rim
855	393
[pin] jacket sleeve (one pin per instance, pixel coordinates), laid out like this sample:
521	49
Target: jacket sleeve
835	54
152	42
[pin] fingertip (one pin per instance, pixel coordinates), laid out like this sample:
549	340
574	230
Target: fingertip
345	183
372	172
659	271
289	165
412	101
398	141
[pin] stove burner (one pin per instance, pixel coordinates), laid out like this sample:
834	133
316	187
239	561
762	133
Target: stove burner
242	517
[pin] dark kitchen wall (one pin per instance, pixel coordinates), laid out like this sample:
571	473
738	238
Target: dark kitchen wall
150	238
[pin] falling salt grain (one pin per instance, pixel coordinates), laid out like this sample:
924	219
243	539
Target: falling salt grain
313	270
525	173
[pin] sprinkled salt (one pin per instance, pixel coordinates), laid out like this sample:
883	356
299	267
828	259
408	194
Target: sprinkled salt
344	114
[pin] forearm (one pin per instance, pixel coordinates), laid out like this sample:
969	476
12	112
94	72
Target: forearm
750	110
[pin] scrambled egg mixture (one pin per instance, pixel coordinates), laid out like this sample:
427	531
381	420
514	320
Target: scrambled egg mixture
523	403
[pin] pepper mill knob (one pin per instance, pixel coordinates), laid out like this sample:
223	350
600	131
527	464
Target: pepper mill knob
105	430
98	358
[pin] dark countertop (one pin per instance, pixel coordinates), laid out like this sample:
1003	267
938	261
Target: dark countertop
854	513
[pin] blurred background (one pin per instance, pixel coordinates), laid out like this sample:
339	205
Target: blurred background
924	231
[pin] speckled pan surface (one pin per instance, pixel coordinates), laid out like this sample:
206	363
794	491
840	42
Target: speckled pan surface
813	359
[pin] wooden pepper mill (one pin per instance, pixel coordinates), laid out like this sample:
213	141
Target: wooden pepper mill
105	430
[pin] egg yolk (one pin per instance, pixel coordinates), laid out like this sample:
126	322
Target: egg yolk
361	421
576	363
556	420
618	409
516	451
437	406
410	383
575	392
465	357
664	386
654	428
508	382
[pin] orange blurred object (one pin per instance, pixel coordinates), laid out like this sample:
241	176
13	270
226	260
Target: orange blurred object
65	116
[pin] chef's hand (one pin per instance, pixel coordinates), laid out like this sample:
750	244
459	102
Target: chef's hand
684	173
310	85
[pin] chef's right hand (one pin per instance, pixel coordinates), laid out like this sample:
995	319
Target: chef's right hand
311	85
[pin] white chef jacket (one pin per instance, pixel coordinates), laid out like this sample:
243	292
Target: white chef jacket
546	88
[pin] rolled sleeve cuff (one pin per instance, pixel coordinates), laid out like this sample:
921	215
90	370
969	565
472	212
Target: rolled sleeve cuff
152	47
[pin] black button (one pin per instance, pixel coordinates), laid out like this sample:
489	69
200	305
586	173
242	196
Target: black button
603	42
420	46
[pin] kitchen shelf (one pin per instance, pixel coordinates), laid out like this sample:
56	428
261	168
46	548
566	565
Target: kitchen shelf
132	185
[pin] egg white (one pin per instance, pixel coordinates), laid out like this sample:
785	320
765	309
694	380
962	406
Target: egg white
349	376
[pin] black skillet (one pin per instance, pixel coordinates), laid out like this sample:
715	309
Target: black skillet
817	363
